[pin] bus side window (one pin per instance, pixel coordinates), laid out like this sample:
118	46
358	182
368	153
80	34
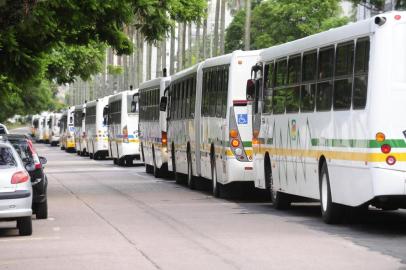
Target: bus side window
186	101
324	96
268	86
279	93
219	92
213	90
225	93
343	76
309	76
192	82
359	96
293	92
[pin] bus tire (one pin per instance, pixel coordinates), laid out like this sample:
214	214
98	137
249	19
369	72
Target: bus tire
115	161
280	201
190	179
155	168
216	184
331	213
92	157
149	169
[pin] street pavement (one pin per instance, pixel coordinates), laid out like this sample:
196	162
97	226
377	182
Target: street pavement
106	217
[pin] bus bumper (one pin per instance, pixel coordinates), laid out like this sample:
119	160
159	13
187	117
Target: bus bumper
239	171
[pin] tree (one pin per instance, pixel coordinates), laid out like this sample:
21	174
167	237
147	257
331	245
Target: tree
279	21
33	32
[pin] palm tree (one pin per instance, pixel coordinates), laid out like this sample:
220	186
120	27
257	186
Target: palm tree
222	25
216	29
172	51
247	27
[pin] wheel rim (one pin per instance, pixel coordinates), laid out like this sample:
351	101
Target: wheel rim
324	193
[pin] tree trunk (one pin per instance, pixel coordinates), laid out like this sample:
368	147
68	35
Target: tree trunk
216	29
203	50
180	42
197	43
158	61
140	58
247	28
222	25
172	52
190	49
149	61
163	52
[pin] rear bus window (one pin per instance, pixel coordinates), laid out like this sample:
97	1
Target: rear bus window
359	95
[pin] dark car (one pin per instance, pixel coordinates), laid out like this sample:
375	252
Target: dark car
24	147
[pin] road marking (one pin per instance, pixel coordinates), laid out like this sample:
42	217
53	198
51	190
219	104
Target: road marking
21	239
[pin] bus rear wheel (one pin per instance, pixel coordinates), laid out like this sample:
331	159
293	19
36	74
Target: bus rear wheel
216	184
280	201
190	179
331	213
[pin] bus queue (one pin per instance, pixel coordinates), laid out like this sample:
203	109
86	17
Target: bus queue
305	121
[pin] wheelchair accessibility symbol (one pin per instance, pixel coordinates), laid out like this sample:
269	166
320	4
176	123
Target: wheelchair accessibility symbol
242	119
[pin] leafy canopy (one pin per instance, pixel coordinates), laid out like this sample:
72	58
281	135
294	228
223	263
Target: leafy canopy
278	21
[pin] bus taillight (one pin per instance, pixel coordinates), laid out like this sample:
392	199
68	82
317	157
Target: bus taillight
235	143
233	133
164	139
386	148
380	137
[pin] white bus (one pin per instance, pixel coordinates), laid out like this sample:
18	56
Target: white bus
96	129
209	126
34	125
122	118
153	127
325	125
68	130
80	134
40	135
54	128
47	128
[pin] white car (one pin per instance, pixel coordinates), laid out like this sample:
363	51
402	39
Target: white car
15	189
3	129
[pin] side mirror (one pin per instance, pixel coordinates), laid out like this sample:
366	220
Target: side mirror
250	90
133	106
163	103
43	160
30	167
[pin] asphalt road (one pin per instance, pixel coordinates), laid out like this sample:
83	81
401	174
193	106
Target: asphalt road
106	217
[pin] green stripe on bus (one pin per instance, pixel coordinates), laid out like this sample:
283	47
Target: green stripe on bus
395	143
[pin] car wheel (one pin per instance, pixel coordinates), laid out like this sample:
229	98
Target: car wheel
41	211
24	225
332	213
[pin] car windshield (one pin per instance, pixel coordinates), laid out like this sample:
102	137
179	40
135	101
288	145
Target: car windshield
23	150
6	157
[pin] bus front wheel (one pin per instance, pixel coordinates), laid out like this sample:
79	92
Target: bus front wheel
280	201
216	184
332	213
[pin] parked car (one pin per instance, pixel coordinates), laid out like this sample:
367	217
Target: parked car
15	189
3	129
24	147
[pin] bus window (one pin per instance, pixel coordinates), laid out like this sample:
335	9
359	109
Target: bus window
186	99
225	94
361	74
308	94
343	76
279	93
324	94
268	85
219	93
309	76
213	90
192	82
293	92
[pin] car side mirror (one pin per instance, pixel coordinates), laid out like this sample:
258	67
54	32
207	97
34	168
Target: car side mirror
163	103
43	160
250	90
30	167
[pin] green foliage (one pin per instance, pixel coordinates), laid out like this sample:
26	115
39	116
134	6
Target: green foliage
115	70
279	21
58	40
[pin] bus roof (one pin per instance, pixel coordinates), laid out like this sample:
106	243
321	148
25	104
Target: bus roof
227	59
119	95
342	33
188	71
154	82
